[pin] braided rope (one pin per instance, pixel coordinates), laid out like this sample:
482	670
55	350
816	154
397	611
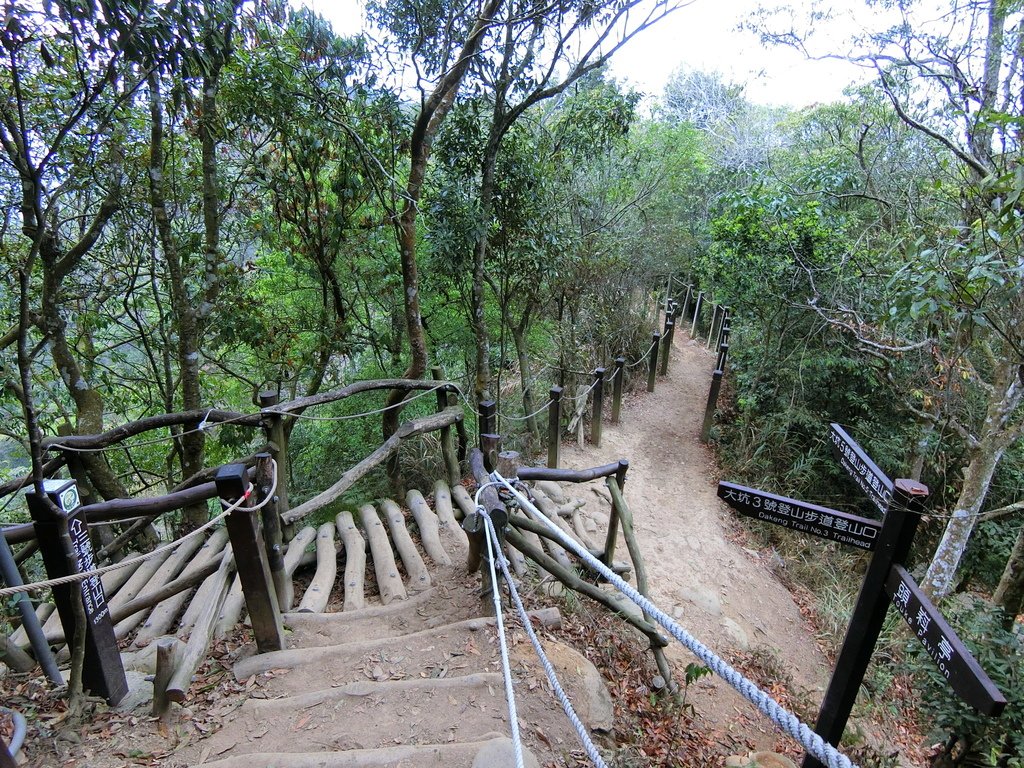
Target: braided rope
549	670
83	575
525	418
506	669
785	720
644	357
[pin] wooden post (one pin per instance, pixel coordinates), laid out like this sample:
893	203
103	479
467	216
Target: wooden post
620	374
64	543
722	323
277	442
709	410
488	433
164	669
686	302
554	425
451	461
696	315
666	343
723	353
598	403
273	538
716	310
892	548
251	559
652	368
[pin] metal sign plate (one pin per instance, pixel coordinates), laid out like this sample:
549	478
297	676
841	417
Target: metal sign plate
825	523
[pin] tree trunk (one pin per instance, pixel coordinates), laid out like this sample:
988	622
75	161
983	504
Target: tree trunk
996	435
1009	594
523	353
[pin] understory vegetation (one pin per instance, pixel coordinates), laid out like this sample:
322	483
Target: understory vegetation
210	199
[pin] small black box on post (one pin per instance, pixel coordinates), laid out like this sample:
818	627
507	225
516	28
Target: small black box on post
64	544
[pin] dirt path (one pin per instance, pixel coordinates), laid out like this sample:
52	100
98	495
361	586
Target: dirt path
724	594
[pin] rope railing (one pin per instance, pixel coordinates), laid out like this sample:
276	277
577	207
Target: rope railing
785	720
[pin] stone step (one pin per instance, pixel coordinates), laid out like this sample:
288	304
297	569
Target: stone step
367	715
491	751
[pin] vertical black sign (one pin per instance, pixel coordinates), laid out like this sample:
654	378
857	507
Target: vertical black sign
955	662
851	457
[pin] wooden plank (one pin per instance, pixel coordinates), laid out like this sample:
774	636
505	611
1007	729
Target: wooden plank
430	527
823	522
355	560
446	515
955	662
388	581
319	590
419	577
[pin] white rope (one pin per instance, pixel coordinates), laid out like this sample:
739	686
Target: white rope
374	412
645	355
83	575
506	669
526	418
202	427
788	722
586	392
549	670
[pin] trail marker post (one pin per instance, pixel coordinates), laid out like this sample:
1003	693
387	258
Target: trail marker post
620	364
64	543
598	405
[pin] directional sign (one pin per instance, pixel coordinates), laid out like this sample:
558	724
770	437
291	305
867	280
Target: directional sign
955	662
818	521
861	468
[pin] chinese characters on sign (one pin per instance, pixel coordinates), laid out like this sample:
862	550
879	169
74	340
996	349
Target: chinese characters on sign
941	643
818	521
858	465
92	588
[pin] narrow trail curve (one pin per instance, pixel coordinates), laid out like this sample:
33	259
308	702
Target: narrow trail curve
725	595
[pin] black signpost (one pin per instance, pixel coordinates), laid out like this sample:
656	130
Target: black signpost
64	543
885	581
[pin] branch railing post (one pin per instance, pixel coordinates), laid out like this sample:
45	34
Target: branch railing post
451	461
652	366
695	327
723	353
722	325
709	410
620	372
613	519
554	425
686	302
666	343
272	536
598	407
277	442
251	559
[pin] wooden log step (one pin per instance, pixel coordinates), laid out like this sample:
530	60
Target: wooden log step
389	583
355	560
446	515
545	505
163	615
203	596
407	756
231	610
419	577
516	560
463	502
319	590
429	609
454	649
430	527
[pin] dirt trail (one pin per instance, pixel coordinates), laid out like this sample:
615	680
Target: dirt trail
724	594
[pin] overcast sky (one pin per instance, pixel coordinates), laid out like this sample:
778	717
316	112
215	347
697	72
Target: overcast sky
701	36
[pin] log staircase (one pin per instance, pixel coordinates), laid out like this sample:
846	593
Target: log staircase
407	671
